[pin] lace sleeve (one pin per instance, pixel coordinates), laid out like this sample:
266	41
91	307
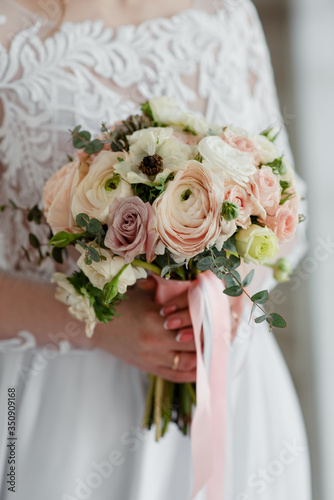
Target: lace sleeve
267	109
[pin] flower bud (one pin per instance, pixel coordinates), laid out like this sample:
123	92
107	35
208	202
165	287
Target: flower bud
282	270
230	210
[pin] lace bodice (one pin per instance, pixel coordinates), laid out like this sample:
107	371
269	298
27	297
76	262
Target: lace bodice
212	57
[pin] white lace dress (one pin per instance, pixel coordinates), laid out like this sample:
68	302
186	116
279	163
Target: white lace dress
79	411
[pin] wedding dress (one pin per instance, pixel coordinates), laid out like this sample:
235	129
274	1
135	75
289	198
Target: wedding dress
79	411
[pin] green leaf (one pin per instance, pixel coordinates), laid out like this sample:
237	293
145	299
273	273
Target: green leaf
13	204
229	245
94	226
248	278
233	291
35	215
261	319
34	241
80	139
260	297
230	281
221	262
88	259
94	254
82	220
3	208
167	270
62	239
234	262
93	147
57	254
146	109
276	320
204	264
26	253
82	244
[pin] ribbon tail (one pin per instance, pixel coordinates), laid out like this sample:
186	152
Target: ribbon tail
201	429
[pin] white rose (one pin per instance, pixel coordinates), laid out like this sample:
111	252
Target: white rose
153	155
102	272
289	175
78	305
100	187
227	161
267	151
165	109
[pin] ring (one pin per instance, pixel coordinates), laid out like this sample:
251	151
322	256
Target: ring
176	361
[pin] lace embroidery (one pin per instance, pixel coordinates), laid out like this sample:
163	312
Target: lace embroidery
86	73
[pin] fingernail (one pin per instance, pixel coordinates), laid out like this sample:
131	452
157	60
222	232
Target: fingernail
185	336
172	324
168	310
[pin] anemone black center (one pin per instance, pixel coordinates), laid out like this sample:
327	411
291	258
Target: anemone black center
151	165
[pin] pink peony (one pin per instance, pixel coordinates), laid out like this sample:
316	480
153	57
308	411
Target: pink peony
131	229
284	223
266	191
239	196
57	196
188	211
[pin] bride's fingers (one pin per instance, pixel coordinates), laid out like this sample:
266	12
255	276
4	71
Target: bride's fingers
148	285
178	320
176	304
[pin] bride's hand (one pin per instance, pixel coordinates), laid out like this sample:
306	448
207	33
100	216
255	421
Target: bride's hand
148	336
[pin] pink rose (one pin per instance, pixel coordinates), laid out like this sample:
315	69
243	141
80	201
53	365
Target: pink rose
131	229
188	211
238	195
266	190
284	223
242	143
57	196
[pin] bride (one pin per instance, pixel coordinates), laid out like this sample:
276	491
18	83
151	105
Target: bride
79	402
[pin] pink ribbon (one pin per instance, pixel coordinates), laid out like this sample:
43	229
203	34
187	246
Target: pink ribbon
209	421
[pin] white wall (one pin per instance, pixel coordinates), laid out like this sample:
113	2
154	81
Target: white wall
312	39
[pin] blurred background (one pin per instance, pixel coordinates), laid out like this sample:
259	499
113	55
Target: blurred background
300	35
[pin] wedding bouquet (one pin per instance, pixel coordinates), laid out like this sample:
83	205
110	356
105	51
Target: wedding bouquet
168	193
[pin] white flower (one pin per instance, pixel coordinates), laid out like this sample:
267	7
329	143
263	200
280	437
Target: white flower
268	152
165	110
78	305
227	161
100	187
102	272
153	150
289	175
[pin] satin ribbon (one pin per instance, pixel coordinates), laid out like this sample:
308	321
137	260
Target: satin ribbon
209	420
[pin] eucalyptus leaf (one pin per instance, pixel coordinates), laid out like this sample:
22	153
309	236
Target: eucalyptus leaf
276	320
248	278
260	297
261	319
93	147
204	264
94	226
94	254
233	291
80	139
82	220
234	262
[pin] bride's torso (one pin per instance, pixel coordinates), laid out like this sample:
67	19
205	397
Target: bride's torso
212	57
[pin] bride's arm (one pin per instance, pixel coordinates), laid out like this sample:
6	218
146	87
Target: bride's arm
137	336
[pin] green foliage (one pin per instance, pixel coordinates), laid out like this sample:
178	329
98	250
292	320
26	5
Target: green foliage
150	192
260	297
63	239
277	166
83	286
146	109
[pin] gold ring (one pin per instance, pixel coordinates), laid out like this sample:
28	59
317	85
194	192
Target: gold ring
176	361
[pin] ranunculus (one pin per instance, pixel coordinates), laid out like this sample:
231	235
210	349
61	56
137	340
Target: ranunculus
154	154
285	221
78	305
238	195
102	272
256	244
100	187
57	196
262	149
132	229
265	191
225	161
188	211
